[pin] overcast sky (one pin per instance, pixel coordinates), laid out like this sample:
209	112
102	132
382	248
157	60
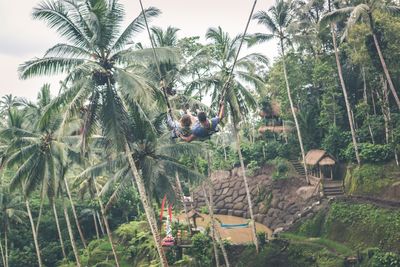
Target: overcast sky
22	38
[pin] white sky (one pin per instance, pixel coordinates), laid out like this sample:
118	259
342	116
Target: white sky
22	38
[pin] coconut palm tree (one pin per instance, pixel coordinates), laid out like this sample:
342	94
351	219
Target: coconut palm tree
38	152
239	95
364	11
105	74
93	186
10	213
311	14
277	20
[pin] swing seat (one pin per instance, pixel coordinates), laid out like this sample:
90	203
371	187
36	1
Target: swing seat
236	225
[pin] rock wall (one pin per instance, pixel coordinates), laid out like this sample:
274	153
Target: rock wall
276	204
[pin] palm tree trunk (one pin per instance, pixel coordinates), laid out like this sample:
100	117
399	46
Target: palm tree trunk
366	102
3	257
294	112
211	210
78	226
108	230
95	224
346	99
384	107
71	234
39	258
246	185
40	210
6	245
213	236
388	121
58	229
178	183
385	69
146	205
100	223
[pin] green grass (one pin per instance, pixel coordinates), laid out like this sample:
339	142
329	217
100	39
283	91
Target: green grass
331	246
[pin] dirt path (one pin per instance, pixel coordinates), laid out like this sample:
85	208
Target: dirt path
235	235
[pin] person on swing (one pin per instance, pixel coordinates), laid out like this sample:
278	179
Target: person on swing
181	128
204	127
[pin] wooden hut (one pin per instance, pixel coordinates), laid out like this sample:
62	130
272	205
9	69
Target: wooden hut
320	162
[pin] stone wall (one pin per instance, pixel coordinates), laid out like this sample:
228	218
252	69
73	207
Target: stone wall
275	203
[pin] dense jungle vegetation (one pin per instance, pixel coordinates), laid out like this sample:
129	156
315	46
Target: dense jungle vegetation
84	172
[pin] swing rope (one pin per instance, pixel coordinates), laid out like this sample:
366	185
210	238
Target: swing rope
224	89
162	83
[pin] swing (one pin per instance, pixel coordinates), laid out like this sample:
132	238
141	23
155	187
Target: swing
167	90
233	225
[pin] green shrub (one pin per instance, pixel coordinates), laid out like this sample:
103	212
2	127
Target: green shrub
202	249
252	167
369	152
262	238
385	259
281	169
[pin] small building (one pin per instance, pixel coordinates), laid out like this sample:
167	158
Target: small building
320	163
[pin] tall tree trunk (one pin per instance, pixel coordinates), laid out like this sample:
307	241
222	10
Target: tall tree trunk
246	185
384	107
42	197
388	122
58	229
78	226
95	224
39	258
3	257
100	223
213	235
366	102
303	155
346	99
71	234
385	69
182	196
108	230
146	205
6	245
211	210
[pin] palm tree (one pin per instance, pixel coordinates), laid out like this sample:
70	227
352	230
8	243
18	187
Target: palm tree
364	11
10	213
277	21
38	152
105	76
93	186
238	96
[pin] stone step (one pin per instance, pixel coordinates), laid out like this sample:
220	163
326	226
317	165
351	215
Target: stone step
332	185
333	191
333	194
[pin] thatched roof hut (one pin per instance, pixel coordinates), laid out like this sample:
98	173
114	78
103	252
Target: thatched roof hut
317	159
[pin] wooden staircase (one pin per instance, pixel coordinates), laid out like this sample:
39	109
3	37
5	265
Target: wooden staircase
333	188
298	167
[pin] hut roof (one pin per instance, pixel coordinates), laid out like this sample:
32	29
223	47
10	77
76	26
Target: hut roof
327	160
315	156
275	129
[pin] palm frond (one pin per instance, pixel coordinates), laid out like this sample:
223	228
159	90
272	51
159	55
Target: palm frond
136	26
264	18
56	16
67	50
47	66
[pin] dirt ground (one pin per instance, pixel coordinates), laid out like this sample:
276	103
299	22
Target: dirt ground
234	235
